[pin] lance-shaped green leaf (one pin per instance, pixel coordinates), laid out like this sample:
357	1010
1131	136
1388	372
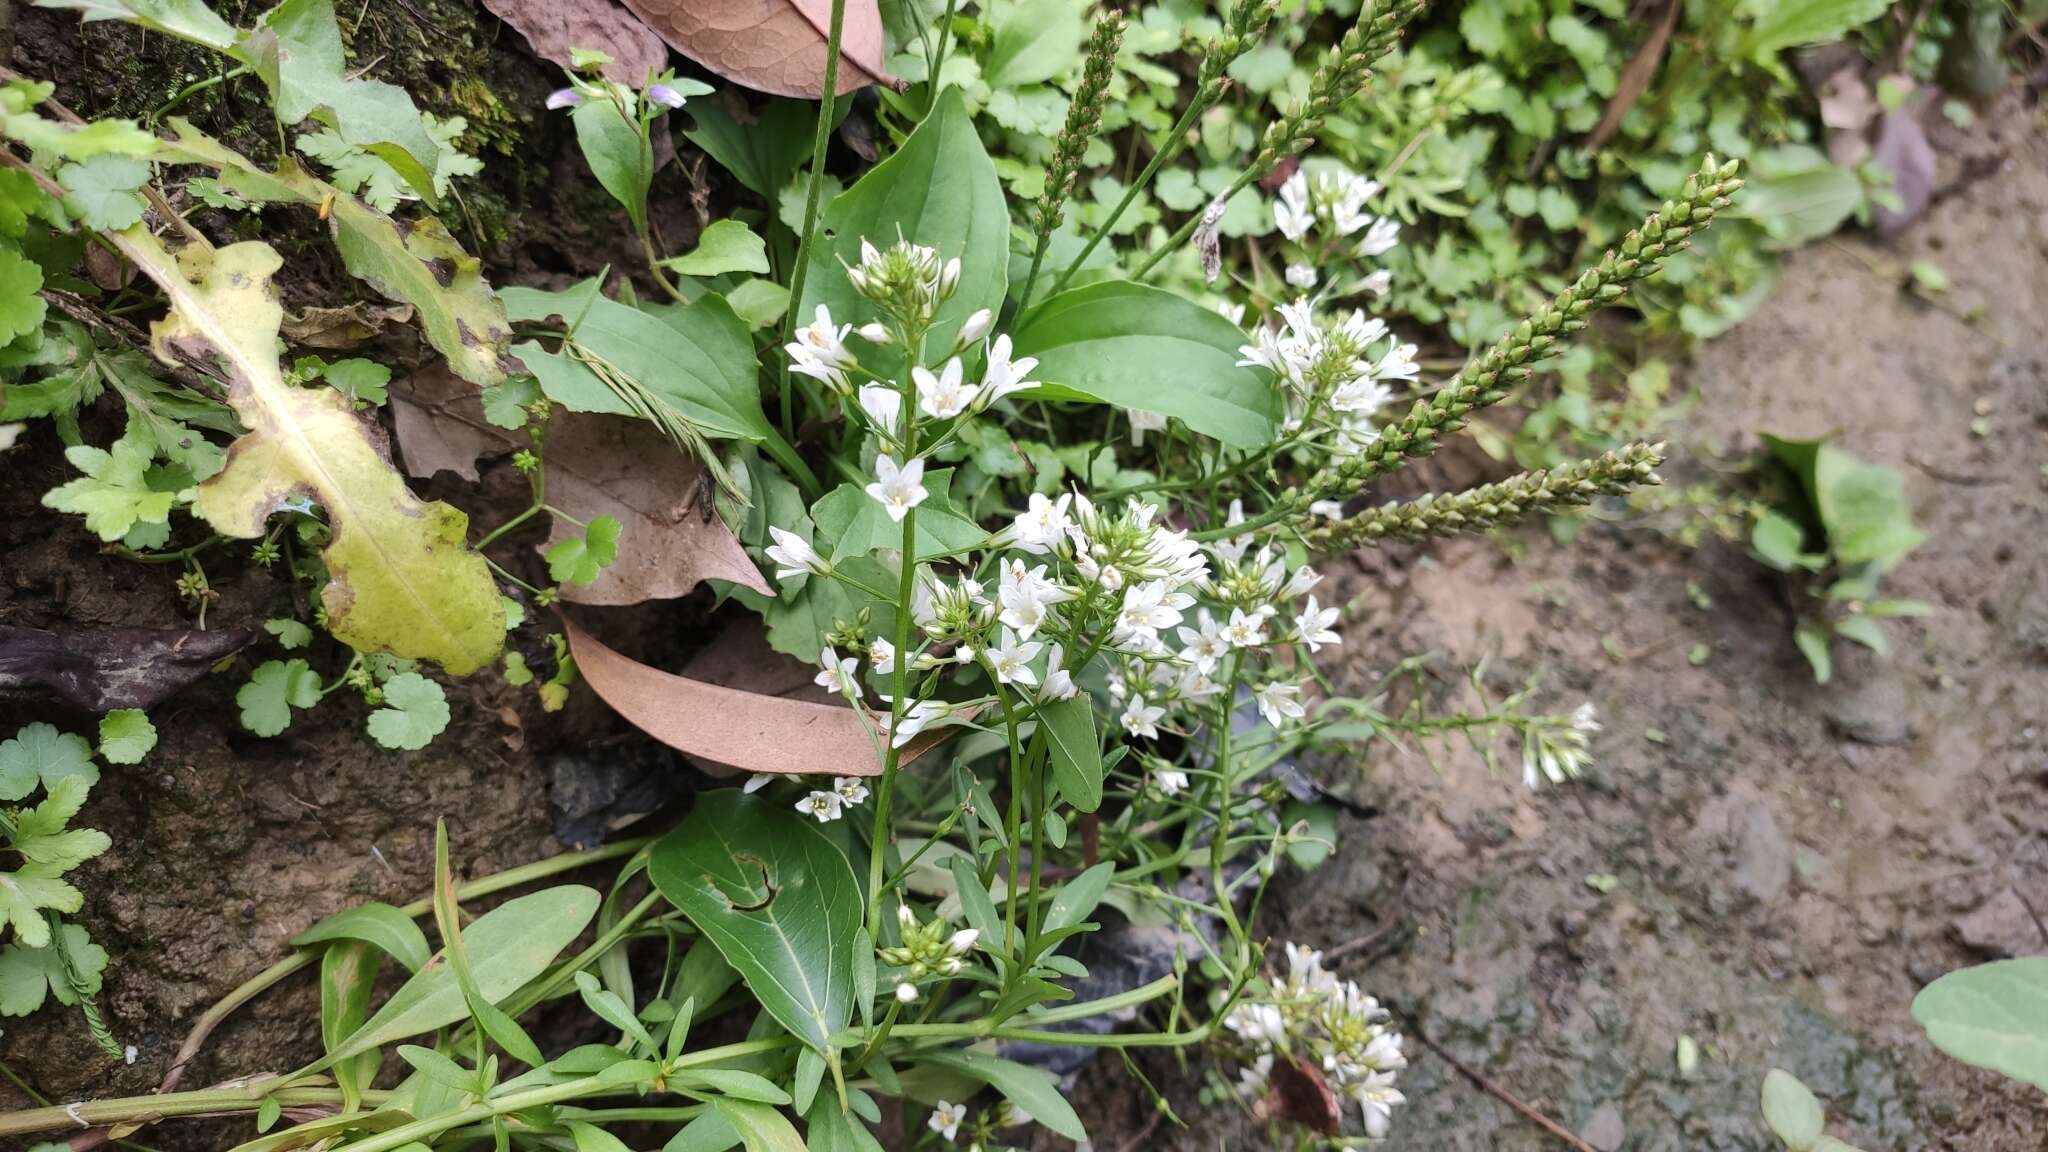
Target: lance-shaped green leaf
401	577
778	898
1076	750
1144	348
418	262
185	19
297	51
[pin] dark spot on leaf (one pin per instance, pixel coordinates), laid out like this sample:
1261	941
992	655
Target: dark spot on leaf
443	270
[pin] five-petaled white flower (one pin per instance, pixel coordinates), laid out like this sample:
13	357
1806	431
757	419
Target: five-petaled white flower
1003	375
1027	597
1380	238
1043	525
1280	702
945	395
1293	214
824	806
1245	631
1585	719
947	1118
916	719
851	789
1147	608
1204	646
1059	685
819	350
1313	625
899	489
838	673
1141	720
882	655
1301	274
1012	659
1376	1097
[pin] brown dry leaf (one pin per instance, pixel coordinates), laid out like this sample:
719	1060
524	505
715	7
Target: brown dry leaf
441	427
553	27
673	540
774	46
1301	1094
1635	79
729	731
336	329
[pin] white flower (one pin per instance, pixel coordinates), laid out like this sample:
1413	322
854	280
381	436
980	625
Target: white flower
1203	646
1140	720
1059	685
947	1118
882	655
1011	659
755	782
1585	719
883	406
1313	625
851	789
1327	509
794	556
1147	608
1003	375
1279	703
838	673
1170	781
1230	311
825	806
1398	364
1043	525
1252	1079
1245	631
819	350
1347	204
1259	1023
1376	1097
906	993
1380	238
1378	284
1027	597
1362	395
899	489
1301	275
916	719
1304	578
945	395
1143	422
1292	213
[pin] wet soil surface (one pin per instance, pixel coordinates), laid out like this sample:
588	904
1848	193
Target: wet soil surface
1792	863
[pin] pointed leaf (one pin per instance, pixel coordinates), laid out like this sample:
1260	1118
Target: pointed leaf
1034	1090
375	923
1076	750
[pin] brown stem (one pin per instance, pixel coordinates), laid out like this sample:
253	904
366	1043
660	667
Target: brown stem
1503	1095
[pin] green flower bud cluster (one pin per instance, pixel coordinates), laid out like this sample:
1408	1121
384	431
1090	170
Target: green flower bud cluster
1084	116
928	949
1479	509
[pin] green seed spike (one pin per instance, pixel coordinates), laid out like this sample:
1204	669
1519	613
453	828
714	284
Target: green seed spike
1492	505
1487	380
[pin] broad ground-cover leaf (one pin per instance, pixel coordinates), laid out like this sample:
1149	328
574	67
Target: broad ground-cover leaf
1144	348
417	262
777	896
776	46
507	946
939	190
1994	1016
29	975
1861	507
401	578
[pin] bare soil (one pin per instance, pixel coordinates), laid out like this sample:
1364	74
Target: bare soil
1793	862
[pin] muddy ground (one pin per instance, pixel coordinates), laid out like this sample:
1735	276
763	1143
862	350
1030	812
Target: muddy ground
1792	862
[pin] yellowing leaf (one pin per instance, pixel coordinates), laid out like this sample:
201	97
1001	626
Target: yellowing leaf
402	578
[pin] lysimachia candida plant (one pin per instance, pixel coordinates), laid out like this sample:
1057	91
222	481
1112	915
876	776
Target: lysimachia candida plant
1053	544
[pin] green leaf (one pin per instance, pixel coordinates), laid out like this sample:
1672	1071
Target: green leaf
1786	24
856	523
1791	1110
273	690
39	753
375	923
290	633
1816	645
1145	348
938	189
401	576
1032	40
415	711
364	381
1778	541
709	1132
975	902
348	975
698	360
115	494
579	559
1865	631
1076	750
1034	1090
1077	898
100	192
1798	195
1992	1016
735	1084
29	975
725	246
21	308
778	898
831	1130
297	51
185	19
613	1010
761	303
507	946
617	156
126	736
763	154
1862	507
40	835
761	1128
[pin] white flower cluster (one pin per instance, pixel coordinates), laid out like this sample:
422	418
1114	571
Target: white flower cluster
1334	377
1318	1019
1555	749
1334	209
927	950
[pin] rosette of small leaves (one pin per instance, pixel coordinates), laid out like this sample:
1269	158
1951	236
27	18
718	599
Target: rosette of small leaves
1492	505
1485	382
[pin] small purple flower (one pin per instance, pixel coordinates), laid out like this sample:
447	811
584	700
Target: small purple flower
564	98
665	96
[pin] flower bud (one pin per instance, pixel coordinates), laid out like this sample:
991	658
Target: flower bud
960	942
874	332
975	328
906	993
906	917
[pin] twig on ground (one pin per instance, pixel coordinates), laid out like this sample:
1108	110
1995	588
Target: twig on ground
1503	1095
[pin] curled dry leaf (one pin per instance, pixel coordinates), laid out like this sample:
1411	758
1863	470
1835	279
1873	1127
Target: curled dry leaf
401	578
338	329
102	669
727	730
553	27
596	466
775	46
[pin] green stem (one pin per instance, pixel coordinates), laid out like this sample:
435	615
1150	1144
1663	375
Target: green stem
1170	147
1219	849
820	141
1187	229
